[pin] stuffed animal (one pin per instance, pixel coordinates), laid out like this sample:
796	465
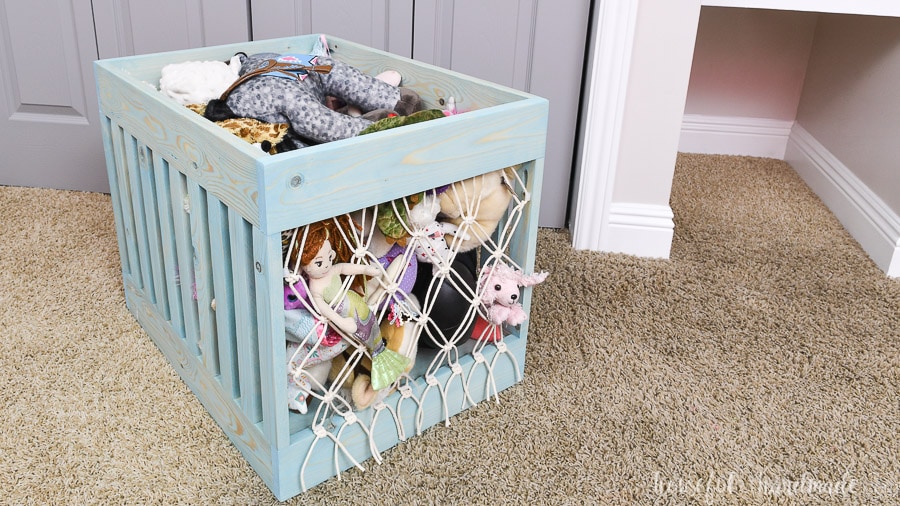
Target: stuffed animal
477	204
399	335
431	246
292	89
499	288
311	346
197	82
270	137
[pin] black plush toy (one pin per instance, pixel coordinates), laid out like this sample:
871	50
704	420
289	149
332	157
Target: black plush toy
451	308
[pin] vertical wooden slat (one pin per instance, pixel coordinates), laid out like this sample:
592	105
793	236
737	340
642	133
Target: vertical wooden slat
132	269
270	321
223	291
203	282
524	243
165	211
151	216
246	332
184	252
140	225
107	127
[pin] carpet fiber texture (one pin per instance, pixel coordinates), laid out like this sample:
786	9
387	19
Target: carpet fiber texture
759	364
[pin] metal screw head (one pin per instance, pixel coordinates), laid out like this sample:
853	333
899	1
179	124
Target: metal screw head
296	181
258	267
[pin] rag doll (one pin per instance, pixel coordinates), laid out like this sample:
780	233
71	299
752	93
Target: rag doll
345	309
311	346
292	89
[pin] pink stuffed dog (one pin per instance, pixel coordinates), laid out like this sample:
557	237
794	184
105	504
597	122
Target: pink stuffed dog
499	287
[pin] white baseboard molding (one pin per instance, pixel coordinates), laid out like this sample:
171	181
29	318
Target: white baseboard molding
733	135
868	219
643	230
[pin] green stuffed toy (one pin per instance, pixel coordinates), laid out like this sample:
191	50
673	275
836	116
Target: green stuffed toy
398	121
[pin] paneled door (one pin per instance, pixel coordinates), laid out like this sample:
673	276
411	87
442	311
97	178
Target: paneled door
48	113
49	120
531	45
536	46
382	24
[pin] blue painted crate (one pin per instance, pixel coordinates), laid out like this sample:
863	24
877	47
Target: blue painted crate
200	216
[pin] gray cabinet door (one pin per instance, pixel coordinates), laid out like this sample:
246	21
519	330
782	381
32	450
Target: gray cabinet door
49	128
129	27
531	45
382	24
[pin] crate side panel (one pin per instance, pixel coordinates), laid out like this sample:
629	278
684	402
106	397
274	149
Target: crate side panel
184	255
216	159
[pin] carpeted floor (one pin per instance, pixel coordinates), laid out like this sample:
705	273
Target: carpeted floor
760	364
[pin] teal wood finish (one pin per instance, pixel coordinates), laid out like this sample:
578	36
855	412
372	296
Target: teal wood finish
199	216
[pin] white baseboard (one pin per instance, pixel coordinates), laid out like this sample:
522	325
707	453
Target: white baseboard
732	135
643	230
868	219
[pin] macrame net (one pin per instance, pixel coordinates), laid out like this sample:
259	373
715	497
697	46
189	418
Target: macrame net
412	330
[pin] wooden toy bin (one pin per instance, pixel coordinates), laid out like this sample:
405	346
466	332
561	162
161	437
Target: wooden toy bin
200	214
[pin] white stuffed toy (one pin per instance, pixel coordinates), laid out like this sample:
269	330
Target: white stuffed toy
431	245
198	82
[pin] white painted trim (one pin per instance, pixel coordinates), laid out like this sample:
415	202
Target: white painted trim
610	65
868	219
645	230
865	7
734	135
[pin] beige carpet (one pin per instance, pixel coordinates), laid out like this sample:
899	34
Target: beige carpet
761	364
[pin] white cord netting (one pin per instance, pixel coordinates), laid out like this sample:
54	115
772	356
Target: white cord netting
367	292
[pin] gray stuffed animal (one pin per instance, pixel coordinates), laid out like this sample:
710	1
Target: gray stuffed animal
292	89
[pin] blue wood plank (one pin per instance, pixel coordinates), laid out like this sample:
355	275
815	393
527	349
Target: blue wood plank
370	169
246	329
112	172
140	225
159	293
223	290
270	322
524	244
165	211
203	277
185	255
123	187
